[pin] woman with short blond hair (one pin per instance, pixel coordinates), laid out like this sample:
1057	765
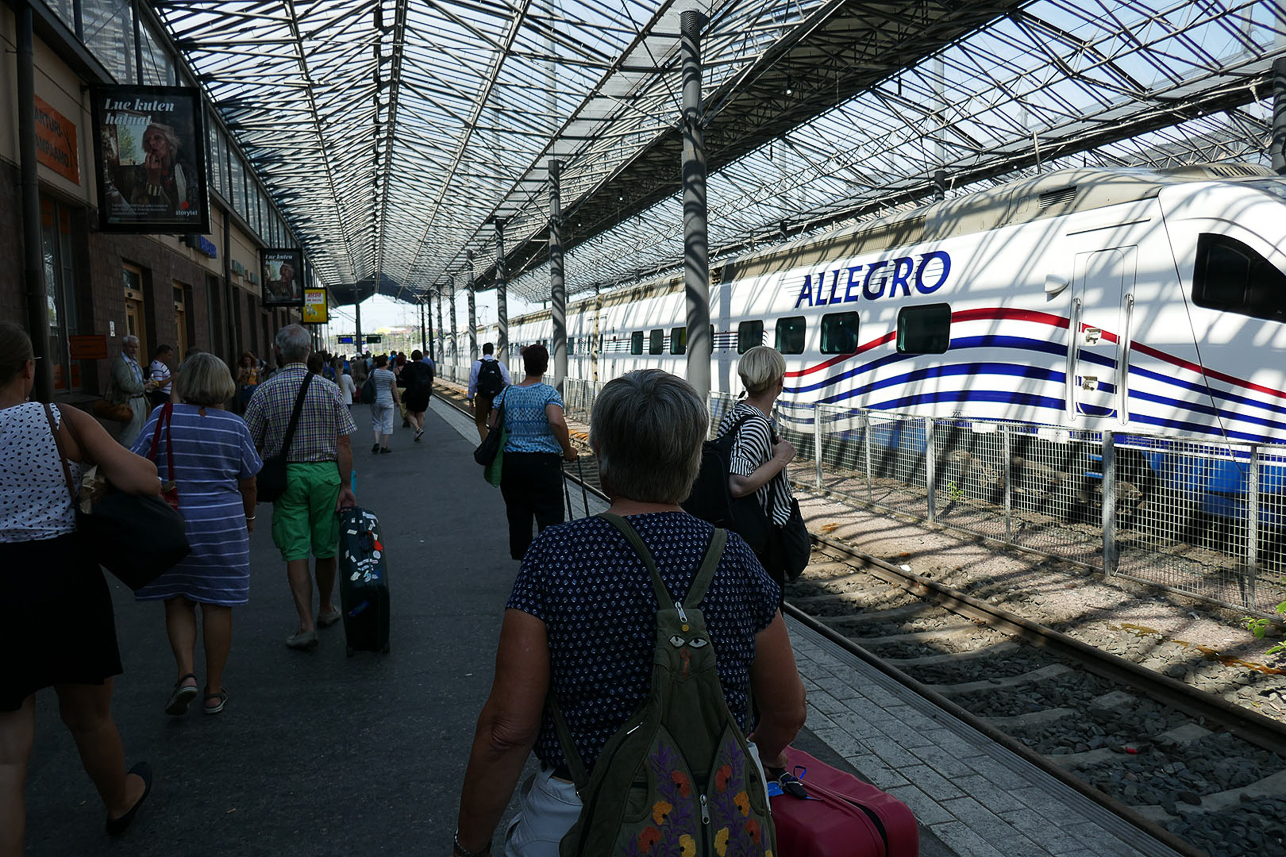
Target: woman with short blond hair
215	463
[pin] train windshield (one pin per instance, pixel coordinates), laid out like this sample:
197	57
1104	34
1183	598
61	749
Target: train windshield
1232	277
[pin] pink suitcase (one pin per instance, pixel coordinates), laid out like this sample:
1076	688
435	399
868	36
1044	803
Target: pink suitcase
841	816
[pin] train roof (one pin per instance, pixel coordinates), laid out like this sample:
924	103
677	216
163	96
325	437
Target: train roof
1024	201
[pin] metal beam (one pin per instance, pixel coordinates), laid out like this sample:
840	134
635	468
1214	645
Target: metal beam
696	241
557	288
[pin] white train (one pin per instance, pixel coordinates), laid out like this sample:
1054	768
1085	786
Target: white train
1094	299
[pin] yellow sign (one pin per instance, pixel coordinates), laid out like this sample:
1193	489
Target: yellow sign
56	141
314	306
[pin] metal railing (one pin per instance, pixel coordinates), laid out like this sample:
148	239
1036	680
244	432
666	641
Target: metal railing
1204	519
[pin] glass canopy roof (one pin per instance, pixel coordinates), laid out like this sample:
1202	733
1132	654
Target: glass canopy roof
395	133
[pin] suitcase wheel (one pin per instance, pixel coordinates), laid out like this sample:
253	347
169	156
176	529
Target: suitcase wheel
348	651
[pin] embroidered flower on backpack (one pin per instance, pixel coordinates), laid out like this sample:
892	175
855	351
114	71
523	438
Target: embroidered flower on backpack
687	846
722	776
661	811
742	800
752	827
681	780
648	838
721	842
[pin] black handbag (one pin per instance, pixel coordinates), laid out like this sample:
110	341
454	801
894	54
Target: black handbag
789	546
136	538
491	445
270	483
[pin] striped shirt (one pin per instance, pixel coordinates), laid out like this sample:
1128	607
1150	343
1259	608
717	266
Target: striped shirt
752	449
211	453
322	420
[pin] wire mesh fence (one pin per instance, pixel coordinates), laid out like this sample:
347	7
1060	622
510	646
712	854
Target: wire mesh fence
1200	518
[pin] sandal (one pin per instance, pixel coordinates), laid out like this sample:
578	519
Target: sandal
182	695
222	696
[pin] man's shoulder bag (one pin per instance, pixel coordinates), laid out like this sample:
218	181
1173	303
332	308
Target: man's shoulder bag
271	481
678	777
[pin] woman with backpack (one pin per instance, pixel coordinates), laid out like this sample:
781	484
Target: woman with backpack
581	632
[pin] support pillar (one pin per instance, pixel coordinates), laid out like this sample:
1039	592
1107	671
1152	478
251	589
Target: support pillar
442	345
424	336
502	296
557	287
357	313
473	313
1278	145
455	346
696	257
428	312
33	268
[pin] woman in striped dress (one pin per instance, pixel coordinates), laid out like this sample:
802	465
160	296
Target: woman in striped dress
215	463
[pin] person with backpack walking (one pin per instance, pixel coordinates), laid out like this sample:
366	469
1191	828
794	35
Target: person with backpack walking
487	377
596	603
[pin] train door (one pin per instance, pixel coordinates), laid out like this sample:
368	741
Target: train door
1098	359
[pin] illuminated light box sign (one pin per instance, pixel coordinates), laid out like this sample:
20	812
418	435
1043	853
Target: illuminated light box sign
314	306
283	276
150	154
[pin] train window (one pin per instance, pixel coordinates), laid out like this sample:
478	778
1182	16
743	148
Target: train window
839	333
1232	277
924	329
571	346
678	340
656	342
749	334
790	335
636	342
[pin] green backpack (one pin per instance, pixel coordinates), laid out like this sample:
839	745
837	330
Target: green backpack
678	777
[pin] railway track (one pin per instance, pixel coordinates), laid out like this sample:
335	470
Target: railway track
1203	774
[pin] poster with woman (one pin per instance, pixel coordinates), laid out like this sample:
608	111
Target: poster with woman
283	277
150	153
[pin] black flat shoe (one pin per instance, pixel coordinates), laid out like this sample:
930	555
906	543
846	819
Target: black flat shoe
117	826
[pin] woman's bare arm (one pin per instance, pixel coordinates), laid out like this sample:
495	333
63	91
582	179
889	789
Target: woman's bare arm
130	473
507	727
558	425
778	692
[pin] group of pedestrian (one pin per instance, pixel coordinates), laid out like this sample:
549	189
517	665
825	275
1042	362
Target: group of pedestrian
55	605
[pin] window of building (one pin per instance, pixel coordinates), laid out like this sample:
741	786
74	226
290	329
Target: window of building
60	292
636	342
1232	277
790	334
839	333
749	334
924	329
678	340
656	342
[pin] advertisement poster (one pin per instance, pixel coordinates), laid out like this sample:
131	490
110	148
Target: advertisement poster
283	277
150	153
314	306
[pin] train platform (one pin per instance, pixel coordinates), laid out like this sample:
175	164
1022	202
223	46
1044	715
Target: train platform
319	754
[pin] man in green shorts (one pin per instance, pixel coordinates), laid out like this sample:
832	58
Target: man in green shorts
318	476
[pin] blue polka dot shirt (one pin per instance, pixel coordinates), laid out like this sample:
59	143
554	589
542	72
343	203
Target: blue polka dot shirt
594	594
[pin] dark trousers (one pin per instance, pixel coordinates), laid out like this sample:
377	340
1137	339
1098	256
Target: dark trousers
530	482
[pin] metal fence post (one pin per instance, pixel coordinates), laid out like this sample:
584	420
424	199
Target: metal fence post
866	444
930	469
1252	528
1007	457
817	441
1109	503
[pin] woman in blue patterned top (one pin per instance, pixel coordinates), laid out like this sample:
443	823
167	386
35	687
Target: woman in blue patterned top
531	479
582	621
215	463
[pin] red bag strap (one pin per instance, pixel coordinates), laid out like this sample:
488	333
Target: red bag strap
165	419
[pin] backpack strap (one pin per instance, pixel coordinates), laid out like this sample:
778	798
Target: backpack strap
697	591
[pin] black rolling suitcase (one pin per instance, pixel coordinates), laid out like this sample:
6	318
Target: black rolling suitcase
363	581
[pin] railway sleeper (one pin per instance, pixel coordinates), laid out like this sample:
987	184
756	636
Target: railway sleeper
1043	674
934	660
1030	719
1270	786
890	614
961	632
